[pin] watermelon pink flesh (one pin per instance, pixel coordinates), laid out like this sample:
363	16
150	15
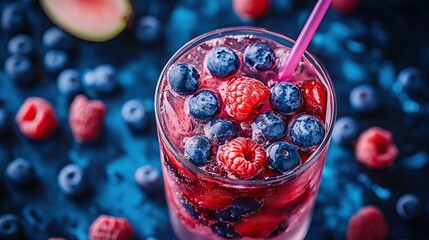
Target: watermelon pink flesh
94	20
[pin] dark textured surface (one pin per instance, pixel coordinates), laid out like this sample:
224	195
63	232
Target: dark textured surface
370	45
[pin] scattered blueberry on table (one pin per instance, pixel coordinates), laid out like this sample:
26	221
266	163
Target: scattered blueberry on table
20	69
72	180
134	114
20	173
20	44
148	178
70	166
69	82
10	227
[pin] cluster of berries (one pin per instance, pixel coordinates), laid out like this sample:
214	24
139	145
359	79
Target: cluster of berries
244	157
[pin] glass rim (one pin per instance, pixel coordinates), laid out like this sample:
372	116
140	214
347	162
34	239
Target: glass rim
331	102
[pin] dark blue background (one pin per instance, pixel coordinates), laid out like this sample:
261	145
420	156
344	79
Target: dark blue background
369	45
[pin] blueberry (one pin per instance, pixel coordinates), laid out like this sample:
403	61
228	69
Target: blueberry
134	114
241	207
220	130
20	44
224	230
285	98
345	131
20	173
72	180
105	79
10	227
198	150
268	126
68	82
259	56
55	38
148	30
306	130
20	69
189	208
13	18
222	62
204	105
55	61
364	99
148	178
282	156
411	80
3	121
408	206
184	79
34	217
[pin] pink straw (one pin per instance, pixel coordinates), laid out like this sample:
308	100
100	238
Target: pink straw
303	40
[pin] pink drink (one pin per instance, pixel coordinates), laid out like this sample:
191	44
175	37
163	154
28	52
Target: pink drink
274	205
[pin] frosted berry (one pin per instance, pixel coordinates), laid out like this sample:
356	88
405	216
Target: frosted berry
222	62
204	105
267	127
86	118
198	150
259	56
184	79
285	98
220	130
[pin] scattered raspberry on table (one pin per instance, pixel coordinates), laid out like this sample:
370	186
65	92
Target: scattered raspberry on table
110	228
86	118
368	223
251	9
375	148
36	118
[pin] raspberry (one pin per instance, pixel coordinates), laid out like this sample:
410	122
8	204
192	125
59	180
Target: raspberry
375	148
243	95
86	118
368	223
243	157
314	94
36	118
110	228
345	6
250	9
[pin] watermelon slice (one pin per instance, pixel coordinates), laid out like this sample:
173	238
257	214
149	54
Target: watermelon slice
92	20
